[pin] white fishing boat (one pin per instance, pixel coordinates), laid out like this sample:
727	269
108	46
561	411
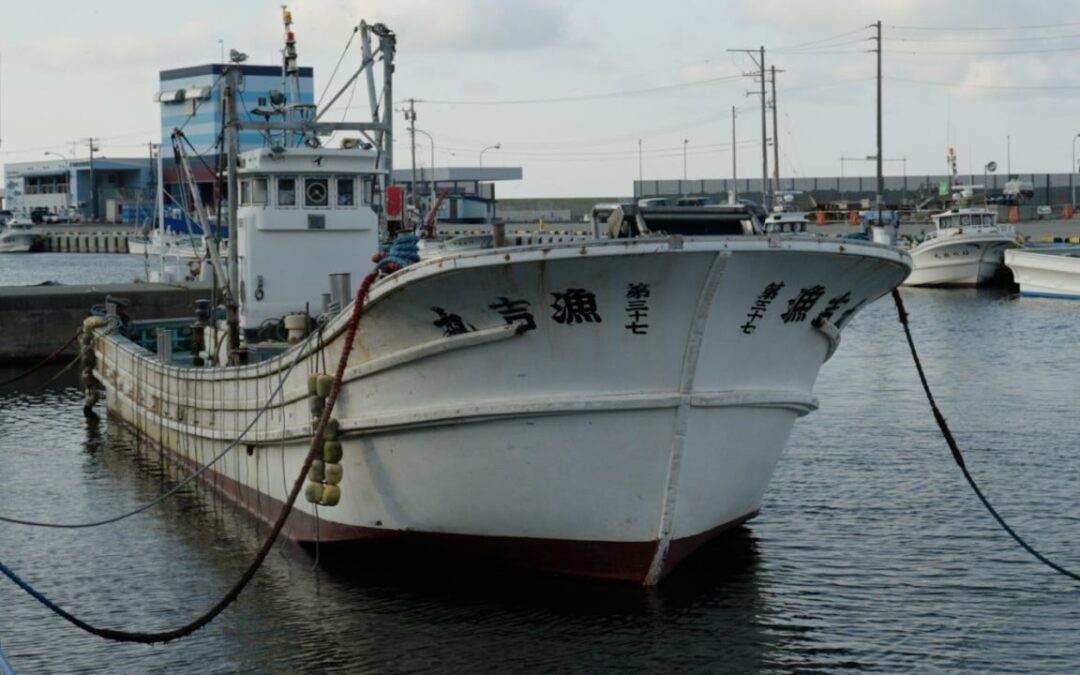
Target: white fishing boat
1052	272
965	249
17	236
158	242
598	408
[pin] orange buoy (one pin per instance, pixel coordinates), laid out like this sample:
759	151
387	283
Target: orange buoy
1014	215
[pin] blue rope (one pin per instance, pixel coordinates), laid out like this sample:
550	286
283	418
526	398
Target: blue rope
403	252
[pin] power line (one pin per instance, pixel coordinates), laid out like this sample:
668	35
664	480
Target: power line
815	42
589	97
999	38
985	86
944	29
896	52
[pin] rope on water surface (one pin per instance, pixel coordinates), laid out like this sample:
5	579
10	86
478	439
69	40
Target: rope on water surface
249	573
955	449
44	362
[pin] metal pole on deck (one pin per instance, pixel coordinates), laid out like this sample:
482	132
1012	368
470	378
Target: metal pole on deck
232	309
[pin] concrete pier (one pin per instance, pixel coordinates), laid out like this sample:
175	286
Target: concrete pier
36	320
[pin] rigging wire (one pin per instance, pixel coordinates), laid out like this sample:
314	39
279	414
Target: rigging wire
341	58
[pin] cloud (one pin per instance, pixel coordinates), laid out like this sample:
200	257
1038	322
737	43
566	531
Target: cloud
441	26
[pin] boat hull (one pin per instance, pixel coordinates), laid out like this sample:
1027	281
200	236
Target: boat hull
1050	272
17	243
959	260
605	437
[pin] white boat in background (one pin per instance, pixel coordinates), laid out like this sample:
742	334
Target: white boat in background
157	243
965	249
786	216
17	236
598	408
1051	272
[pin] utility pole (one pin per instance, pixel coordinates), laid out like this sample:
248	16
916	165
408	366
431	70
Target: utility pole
93	179
410	117
759	61
734	165
880	175
640	172
775	135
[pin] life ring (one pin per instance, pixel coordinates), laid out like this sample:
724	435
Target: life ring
194	268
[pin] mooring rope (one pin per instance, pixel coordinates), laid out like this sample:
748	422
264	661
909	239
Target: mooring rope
44	362
249	573
955	449
176	488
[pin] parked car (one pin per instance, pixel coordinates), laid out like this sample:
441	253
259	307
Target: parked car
1043	211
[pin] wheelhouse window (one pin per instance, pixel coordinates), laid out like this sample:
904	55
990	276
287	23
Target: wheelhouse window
988	220
260	191
316	192
286	191
346	192
965	221
245	192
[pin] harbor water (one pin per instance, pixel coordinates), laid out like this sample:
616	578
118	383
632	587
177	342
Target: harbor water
870	552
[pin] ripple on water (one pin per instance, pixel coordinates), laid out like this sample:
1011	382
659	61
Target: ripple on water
870	552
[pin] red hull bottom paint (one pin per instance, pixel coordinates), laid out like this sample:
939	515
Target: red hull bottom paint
610	560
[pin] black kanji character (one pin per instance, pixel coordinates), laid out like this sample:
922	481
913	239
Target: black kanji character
833	305
637	328
637	291
802	303
771	291
451	324
576	305
513	310
748	327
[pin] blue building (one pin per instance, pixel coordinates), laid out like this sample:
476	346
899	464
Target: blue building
190	100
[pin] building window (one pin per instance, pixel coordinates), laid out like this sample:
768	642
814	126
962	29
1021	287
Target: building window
260	191
316	192
286	191
245	192
346	192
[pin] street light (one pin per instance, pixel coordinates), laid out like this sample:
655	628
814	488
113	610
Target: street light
421	131
1072	171
497	146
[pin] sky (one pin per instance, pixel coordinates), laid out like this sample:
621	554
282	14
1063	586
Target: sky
585	95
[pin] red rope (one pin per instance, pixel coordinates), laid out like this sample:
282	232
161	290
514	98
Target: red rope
313	450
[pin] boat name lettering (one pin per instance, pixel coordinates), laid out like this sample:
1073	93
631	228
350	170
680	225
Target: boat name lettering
575	305
451	324
637	308
757	310
514	310
802	303
833	305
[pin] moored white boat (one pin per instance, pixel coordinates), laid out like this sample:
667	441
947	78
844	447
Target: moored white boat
1052	272
597	408
965	249
17	237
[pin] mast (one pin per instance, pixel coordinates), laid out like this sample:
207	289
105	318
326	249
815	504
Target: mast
232	138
